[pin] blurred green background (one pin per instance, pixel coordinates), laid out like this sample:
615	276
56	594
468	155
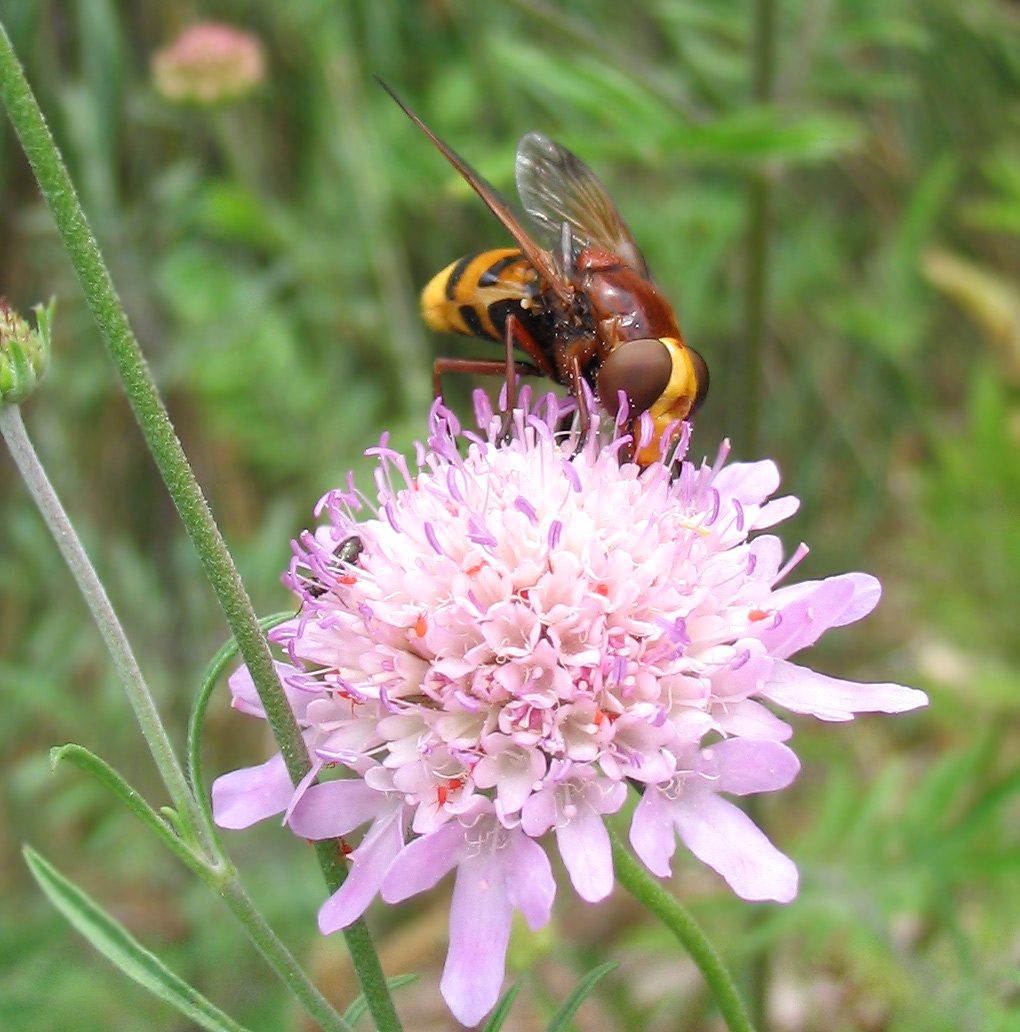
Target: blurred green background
269	252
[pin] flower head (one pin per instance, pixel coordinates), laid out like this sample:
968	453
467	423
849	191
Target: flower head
209	63
512	638
24	352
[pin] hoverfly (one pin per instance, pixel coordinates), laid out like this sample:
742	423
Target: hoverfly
584	309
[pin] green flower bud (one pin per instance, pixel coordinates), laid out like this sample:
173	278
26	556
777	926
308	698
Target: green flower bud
24	352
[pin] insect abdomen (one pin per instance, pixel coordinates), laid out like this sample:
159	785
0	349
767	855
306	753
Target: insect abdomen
474	295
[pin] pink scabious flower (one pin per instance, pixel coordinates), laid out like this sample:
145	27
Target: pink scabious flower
516	635
209	63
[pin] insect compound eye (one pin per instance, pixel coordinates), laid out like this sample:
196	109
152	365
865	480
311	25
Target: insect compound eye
639	368
700	376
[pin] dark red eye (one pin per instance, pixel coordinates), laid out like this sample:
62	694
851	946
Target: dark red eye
700	376
639	368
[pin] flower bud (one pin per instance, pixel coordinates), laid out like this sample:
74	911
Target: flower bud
209	63
24	352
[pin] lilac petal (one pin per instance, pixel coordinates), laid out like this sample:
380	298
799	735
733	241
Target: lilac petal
423	862
538	814
336	808
805	691
369	864
530	885
244	698
479	933
745	766
584	845
750	719
244	797
726	839
776	511
651	832
748	482
865	594
808	617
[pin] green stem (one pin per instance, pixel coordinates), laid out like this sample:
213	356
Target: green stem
140	388
643	886
122	347
12	429
359	944
279	958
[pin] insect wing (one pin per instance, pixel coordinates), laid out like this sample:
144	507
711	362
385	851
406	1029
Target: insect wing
557	188
539	258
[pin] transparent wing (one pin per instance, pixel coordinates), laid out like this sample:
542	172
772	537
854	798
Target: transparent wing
540	259
557	188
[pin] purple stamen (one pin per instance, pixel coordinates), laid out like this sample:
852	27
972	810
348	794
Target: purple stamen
483	409
430	536
799	553
471	705
713	513
555	529
646	427
479	534
521	504
451	484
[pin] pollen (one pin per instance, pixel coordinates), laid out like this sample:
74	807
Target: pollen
420	626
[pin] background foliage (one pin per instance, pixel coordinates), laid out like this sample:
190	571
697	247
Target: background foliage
270	253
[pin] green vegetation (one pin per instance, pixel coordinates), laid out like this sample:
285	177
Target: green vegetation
269	253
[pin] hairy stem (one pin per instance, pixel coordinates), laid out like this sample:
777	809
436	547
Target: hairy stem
644	887
122	347
279	958
12	429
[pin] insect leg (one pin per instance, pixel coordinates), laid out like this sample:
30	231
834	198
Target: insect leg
577	389
477	367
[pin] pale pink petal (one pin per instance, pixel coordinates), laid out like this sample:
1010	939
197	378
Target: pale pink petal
751	719
726	839
423	862
865	593
244	698
336	808
368	865
251	794
652	833
587	855
479	934
804	620
750	482
538	814
776	511
530	885
743	766
805	691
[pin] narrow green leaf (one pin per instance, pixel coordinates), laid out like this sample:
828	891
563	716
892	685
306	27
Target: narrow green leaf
562	1017
212	674
502	1011
118	946
360	1006
89	762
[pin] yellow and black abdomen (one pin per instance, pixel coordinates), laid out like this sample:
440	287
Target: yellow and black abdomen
475	294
